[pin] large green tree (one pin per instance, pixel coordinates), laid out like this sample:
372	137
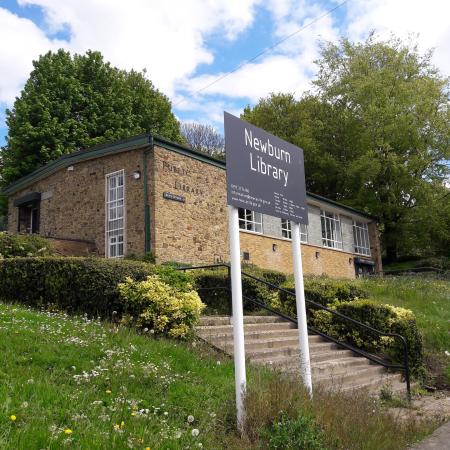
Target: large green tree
72	102
376	131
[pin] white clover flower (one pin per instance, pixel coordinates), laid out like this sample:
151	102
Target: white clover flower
24	405
190	419
195	432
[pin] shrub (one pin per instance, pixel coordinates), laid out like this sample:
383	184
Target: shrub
293	434
385	318
81	285
320	290
12	245
156	305
212	286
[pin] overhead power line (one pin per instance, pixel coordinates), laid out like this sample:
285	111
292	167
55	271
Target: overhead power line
239	66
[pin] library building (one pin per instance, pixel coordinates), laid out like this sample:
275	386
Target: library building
146	194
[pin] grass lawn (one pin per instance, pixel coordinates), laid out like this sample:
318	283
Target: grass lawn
76	383
429	299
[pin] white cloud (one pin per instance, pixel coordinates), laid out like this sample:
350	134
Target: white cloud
22	41
165	37
403	18
287	67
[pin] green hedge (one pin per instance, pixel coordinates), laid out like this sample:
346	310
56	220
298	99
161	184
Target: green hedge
26	245
322	290
217	300
383	317
81	285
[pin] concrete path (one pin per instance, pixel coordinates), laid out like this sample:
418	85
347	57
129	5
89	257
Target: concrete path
439	440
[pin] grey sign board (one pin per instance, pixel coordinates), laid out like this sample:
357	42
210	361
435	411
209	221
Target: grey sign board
264	173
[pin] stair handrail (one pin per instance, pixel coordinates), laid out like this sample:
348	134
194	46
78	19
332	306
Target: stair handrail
404	367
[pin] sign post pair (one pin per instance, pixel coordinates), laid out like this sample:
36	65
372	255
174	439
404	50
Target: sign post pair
264	174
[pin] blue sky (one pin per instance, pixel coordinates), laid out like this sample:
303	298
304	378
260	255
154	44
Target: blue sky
186	45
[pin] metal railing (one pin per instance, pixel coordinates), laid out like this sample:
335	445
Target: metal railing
374	358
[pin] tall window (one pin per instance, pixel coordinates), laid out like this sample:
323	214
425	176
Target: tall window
361	238
115	214
331	230
250	220
286	230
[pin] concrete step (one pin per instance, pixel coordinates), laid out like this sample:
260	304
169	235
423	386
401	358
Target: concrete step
249	334
273	342
270	326
227	320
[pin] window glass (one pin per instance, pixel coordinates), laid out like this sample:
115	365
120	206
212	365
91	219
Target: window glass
115	213
361	238
331	230
250	220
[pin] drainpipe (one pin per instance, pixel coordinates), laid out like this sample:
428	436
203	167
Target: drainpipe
146	152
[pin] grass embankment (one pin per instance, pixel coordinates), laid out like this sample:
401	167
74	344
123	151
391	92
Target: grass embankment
429	299
84	384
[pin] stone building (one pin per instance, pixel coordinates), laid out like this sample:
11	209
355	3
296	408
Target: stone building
146	194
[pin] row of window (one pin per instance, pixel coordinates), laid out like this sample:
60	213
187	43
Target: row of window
330	224
248	220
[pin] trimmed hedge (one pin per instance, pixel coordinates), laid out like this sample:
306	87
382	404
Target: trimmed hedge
80	285
383	317
218	300
322	290
24	245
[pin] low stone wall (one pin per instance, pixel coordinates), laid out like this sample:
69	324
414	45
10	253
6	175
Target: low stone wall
67	247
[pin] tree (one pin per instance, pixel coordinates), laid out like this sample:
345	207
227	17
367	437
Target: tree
73	102
204	138
376	131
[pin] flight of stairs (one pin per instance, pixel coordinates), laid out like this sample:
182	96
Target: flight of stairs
273	341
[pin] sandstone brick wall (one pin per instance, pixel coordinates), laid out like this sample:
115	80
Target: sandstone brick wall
73	204
375	248
195	231
334	263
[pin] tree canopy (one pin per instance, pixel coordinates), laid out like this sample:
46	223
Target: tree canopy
204	138
73	102
375	131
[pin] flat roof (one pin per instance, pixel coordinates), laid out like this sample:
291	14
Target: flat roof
132	143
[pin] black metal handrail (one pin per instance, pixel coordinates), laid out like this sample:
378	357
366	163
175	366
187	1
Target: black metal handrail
373	358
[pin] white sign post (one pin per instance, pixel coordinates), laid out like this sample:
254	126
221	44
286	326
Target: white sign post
305	365
238	314
264	174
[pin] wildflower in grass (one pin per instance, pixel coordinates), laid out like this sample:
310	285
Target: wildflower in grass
122	424
195	432
13	417
133	414
68	431
108	392
24	405
190	419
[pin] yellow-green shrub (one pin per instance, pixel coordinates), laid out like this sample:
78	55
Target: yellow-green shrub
165	309
383	317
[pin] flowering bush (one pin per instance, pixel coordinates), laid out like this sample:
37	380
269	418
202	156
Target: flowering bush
165	309
23	245
383	317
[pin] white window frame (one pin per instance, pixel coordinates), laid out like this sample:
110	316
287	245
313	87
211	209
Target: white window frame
361	238
250	221
287	233
115	211
331	229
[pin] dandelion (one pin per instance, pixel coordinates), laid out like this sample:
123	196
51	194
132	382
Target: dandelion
13	417
108	392
190	419
133	414
122	424
147	448
68	431
195	432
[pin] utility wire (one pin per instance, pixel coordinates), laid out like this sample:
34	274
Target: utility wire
327	13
